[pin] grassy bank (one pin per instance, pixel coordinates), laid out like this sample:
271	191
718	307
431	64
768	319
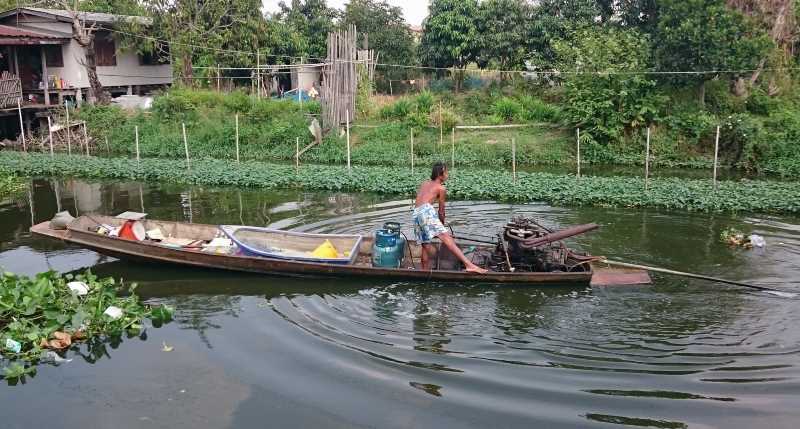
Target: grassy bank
269	130
9	185
466	183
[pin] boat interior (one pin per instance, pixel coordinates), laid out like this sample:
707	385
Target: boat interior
201	238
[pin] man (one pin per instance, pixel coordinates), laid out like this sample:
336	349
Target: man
429	225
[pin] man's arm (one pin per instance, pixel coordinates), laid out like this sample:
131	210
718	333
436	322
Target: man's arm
442	196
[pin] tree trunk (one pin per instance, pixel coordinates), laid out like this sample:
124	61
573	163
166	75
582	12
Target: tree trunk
188	72
98	92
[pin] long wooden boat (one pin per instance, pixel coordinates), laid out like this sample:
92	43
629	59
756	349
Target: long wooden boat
83	232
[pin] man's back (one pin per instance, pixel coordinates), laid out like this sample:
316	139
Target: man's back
428	192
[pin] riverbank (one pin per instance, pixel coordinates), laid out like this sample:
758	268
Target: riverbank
466	183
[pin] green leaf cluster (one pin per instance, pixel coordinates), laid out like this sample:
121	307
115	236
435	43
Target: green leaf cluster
32	309
663	193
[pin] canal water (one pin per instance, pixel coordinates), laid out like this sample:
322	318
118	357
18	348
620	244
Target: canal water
261	351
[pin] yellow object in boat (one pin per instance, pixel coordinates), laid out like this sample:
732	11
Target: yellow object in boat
326	251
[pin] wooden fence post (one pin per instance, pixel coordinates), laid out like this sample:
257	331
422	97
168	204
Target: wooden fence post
237	138
647	161
136	133
716	157
579	153
69	143
86	138
441	125
347	122
514	158
185	145
21	127
453	149
50	132
412	151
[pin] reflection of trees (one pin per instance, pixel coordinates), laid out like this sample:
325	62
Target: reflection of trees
195	312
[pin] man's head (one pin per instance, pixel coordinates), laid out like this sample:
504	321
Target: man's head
439	171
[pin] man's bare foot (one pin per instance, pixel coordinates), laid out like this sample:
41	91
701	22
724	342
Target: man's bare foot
472	268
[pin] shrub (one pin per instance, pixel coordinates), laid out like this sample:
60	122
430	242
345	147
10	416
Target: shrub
424	102
534	109
174	105
507	109
742	141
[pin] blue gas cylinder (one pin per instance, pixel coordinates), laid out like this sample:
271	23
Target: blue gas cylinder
389	246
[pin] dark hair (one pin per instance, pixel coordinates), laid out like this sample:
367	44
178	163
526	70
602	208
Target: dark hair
438	170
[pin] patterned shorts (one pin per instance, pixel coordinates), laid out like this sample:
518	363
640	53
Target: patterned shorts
427	225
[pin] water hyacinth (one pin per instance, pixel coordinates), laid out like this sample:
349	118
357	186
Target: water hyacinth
561	189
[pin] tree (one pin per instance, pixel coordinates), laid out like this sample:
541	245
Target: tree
313	19
450	35
188	24
504	33
385	30
606	91
555	20
641	14
706	36
84	35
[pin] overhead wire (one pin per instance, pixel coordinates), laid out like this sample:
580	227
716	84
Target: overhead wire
450	69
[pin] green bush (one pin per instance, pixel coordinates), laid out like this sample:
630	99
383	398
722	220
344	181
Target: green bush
507	109
742	141
534	109
424	102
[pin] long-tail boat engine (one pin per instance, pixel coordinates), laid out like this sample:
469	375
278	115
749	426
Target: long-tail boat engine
526	246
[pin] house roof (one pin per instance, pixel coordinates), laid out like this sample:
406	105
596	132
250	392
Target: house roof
66	16
20	36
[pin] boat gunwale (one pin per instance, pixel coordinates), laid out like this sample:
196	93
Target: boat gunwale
117	246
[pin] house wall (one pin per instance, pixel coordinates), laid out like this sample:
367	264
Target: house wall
126	72
305	78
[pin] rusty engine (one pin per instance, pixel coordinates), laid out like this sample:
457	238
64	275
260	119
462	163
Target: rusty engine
525	245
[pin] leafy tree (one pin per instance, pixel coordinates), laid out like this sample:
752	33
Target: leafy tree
313	19
641	14
555	20
450	35
503	34
385	29
607	95
703	36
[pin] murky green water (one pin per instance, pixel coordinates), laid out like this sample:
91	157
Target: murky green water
260	351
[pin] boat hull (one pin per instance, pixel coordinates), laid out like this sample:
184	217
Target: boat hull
147	252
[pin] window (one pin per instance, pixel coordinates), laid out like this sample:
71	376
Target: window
161	56
105	50
53	56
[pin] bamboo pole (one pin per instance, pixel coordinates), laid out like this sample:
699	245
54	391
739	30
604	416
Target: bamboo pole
186	146
412	151
50	132
69	143
219	76
86	138
697	276
108	148
514	158
258	74
579	153
453	149
647	161
441	125
237	138
297	155
716	157
21	126
136	134
347	122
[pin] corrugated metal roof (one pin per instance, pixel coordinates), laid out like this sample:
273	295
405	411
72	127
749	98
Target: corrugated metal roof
102	18
7	31
66	16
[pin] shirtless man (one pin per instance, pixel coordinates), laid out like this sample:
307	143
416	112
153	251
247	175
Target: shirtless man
428	225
